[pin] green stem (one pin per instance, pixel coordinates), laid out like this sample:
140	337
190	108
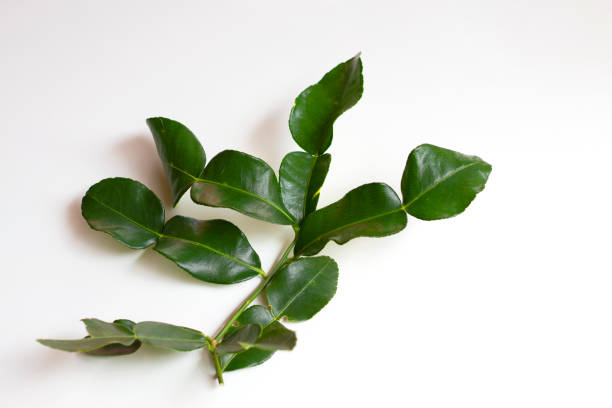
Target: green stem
218	369
281	262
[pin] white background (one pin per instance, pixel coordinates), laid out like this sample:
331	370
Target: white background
506	305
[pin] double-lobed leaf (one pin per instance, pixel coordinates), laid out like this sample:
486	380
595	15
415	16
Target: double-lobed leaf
181	154
244	183
125	209
274	336
213	251
318	106
124	337
440	183
301	176
371	210
302	288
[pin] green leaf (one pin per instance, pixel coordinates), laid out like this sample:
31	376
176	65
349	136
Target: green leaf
440	183
213	251
318	106
98	328
301	177
254	356
371	210
181	154
103	336
302	288
125	209
276	337
128	324
244	183
87	344
168	336
240	339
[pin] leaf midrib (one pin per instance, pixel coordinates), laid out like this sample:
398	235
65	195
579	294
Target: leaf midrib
124	216
440	181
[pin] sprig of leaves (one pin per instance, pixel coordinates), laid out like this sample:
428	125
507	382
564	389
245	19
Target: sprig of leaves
436	183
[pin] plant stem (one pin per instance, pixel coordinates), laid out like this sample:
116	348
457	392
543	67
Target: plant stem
218	369
281	262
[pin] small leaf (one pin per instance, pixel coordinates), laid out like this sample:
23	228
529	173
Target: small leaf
302	288
168	336
181	154
276	337
244	183
234	361
116	349
371	210
213	251
125	209
240	339
98	328
87	344
318	106
301	177
440	183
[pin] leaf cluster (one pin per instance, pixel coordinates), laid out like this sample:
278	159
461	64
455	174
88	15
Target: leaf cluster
437	183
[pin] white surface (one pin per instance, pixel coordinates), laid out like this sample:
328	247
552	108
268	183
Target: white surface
507	305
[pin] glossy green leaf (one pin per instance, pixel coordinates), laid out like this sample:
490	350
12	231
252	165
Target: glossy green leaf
99	328
181	154
240	339
302	288
371	210
318	106
245	183
128	324
440	183
254	356
213	251
276	337
125	209
301	177
168	336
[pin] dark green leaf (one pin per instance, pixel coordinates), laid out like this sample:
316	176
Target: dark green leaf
371	210
87	344
180	152
276	337
302	288
168	336
318	106
301	177
440	183
125	209
245	183
240	339
116	349
254	356
213	251
128	324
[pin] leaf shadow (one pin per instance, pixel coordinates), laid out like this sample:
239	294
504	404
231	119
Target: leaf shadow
140	154
270	138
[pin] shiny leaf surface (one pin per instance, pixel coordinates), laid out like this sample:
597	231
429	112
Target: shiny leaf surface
318	106
125	209
213	251
102	335
168	336
244	183
181	154
302	288
301	177
371	210
99	328
276	337
234	361
440	183
116	349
